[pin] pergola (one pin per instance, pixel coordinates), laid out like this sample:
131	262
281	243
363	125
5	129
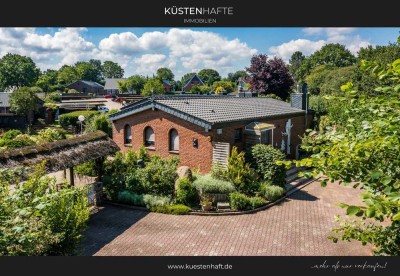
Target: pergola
63	154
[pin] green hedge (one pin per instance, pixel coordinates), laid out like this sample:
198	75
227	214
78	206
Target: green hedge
186	193
272	192
172	209
206	184
72	117
242	202
263	158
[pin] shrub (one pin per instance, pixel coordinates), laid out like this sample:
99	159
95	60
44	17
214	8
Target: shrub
257	202
88	168
53	97
240	201
206	184
218	172
11	134
73	91
158	176
186	192
72	117
172	209
263	158
151	201
50	135
131	198
22	140
113	185
41	219
99	122
272	192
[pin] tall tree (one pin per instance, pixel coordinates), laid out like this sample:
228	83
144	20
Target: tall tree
153	86
234	77
209	76
335	55
165	74
295	62
17	71
112	70
67	75
47	80
89	71
23	101
269	76
133	83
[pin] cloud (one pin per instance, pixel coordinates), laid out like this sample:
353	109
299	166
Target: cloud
191	49
325	36
67	44
307	47
148	64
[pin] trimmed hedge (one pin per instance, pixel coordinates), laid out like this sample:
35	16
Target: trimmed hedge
242	202
272	192
177	209
72	117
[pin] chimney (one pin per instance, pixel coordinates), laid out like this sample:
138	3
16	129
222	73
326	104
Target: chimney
300	98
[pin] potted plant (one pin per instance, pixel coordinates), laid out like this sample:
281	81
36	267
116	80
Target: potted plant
206	203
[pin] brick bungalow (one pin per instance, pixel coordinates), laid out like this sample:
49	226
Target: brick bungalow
203	129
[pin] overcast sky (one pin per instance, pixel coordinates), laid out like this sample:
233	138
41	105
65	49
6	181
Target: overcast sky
183	50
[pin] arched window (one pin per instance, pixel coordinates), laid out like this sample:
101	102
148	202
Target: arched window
149	137
127	134
173	140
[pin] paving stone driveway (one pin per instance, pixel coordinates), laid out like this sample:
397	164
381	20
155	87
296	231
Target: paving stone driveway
296	227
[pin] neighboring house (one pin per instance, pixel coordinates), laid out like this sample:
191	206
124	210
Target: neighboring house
202	130
111	86
4	102
193	81
87	87
167	85
9	120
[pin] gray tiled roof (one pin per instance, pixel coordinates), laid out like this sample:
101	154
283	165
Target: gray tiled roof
112	84
92	83
4	99
212	109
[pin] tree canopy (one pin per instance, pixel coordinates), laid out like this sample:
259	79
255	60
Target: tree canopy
23	101
234	77
296	60
112	70
153	86
17	71
209	76
165	74
269	76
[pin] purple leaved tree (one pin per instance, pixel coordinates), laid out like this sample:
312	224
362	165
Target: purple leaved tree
269	76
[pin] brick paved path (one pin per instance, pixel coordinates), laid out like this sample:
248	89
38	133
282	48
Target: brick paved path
296	227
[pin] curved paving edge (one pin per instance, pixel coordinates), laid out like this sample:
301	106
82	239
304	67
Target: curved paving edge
233	213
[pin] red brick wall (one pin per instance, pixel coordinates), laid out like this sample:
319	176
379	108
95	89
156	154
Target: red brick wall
200	157
162	123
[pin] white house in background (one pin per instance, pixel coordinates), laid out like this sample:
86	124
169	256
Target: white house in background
111	86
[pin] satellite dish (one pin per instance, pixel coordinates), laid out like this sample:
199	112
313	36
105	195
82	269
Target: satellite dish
81	118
